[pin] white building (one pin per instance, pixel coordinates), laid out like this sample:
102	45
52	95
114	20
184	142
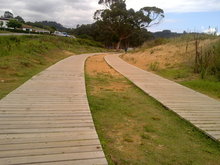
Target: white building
211	31
4	22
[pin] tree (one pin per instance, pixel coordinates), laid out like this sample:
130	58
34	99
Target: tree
20	19
8	14
108	3
1	24
121	23
14	24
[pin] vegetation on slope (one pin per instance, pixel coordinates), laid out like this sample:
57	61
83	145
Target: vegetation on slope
21	57
135	129
175	59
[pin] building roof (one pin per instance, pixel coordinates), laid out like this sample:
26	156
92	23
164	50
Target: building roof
26	26
39	29
5	19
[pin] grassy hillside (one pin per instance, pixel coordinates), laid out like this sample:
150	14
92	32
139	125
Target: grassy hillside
21	57
175	59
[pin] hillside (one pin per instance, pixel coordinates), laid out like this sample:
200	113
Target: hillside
175	59
21	57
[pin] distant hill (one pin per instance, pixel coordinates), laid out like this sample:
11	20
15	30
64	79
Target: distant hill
166	34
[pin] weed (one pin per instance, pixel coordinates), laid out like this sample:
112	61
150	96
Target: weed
154	66
145	136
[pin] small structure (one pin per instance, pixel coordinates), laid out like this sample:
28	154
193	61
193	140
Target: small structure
34	29
27	28
39	30
4	22
212	31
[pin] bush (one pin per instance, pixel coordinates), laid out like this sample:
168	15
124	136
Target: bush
217	59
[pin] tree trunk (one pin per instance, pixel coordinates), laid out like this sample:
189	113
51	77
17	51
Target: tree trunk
196	67
118	44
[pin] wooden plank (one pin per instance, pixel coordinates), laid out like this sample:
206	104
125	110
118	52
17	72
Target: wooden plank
39	126
49	151
56	144
51	158
31	122
99	161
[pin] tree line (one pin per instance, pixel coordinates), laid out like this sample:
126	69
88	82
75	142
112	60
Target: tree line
115	26
119	27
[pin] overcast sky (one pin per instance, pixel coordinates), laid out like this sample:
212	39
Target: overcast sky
180	14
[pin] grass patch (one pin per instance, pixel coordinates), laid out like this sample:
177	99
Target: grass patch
136	129
21	57
3	31
174	73
211	88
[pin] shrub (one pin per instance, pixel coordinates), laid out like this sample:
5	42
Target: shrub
154	66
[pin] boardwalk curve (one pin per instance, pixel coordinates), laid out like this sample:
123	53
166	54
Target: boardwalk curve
47	120
200	110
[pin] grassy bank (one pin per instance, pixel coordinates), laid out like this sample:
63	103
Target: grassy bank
21	57
135	129
175	59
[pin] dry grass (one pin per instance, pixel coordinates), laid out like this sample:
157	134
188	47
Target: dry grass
167	56
175	60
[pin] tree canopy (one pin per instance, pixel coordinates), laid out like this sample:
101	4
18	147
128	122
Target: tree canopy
20	19
13	23
119	23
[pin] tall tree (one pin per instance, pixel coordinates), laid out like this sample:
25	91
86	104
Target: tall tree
20	19
8	14
14	24
121	23
108	3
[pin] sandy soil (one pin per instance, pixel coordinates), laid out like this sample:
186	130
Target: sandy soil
96	65
168	55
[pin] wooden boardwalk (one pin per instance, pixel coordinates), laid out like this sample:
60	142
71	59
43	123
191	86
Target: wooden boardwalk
47	121
200	110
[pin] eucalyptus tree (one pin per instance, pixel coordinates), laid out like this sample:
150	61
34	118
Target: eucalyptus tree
108	3
121	23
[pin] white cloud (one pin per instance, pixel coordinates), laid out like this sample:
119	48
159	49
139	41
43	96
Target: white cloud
178	5
73	12
67	12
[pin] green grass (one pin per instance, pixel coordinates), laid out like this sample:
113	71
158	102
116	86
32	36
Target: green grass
175	73
3	31
211	88
21	57
136	129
